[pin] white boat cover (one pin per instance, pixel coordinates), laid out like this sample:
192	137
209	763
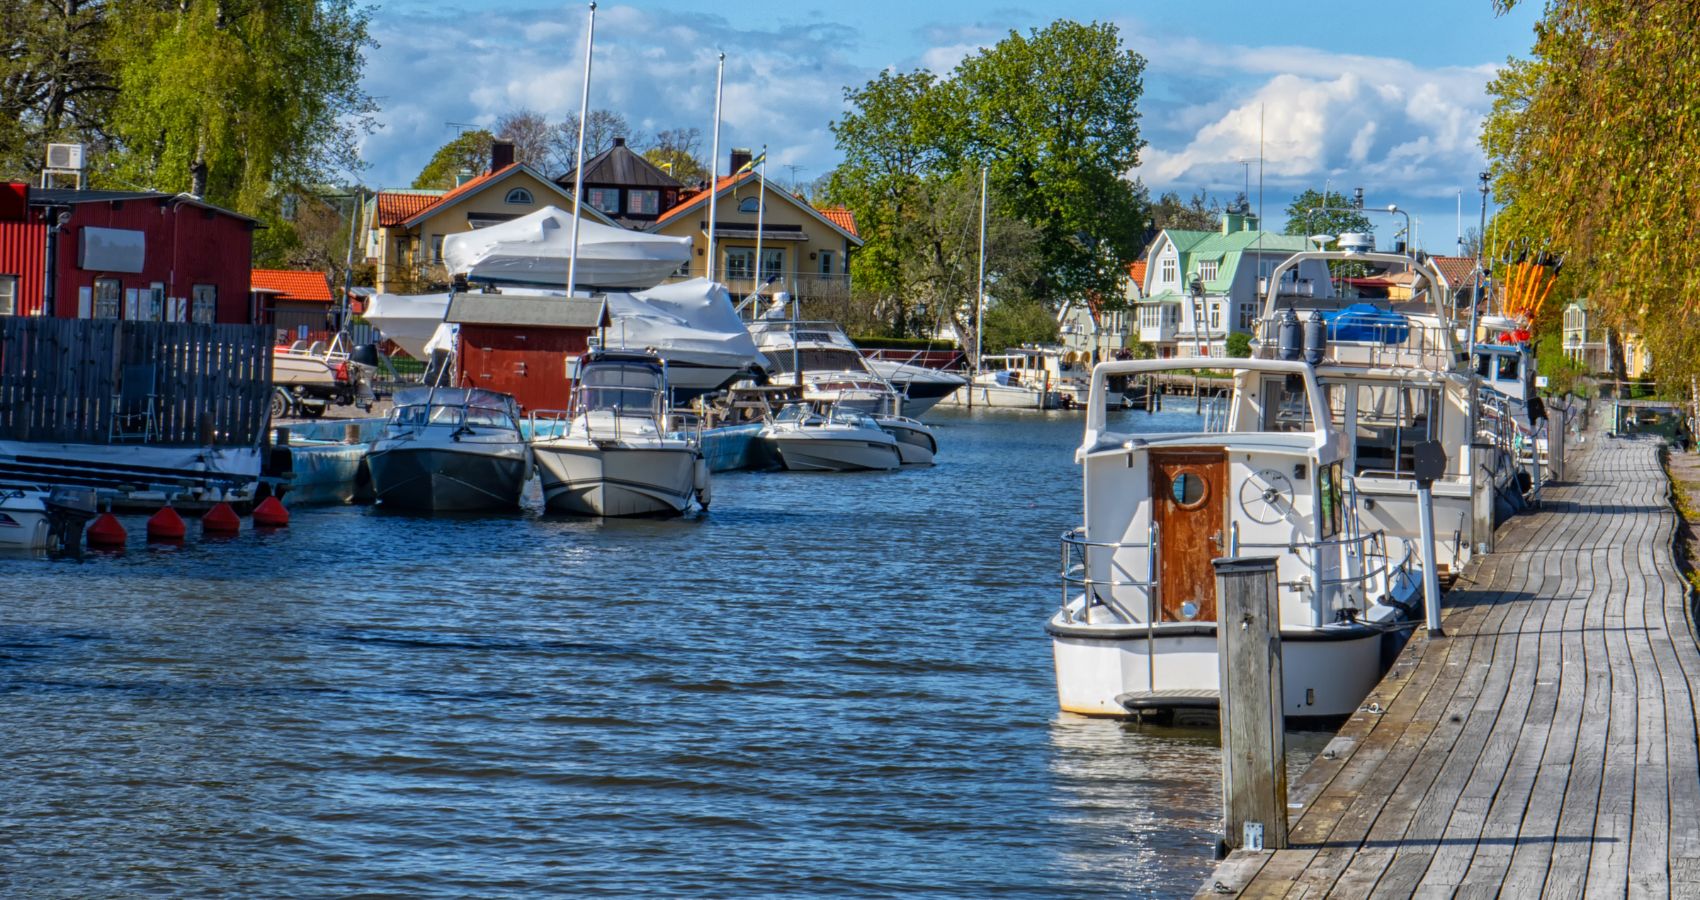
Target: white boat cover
408	319
533	249
689	322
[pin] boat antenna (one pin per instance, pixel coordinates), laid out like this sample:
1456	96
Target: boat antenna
578	153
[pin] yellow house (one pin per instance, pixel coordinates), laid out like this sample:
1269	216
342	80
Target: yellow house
805	250
405	239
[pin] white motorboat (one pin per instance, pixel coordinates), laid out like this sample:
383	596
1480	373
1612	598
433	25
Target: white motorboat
1004	390
805	439
1136	630
40	518
922	387
450	450
617	454
1031	378
309	376
537	248
916	445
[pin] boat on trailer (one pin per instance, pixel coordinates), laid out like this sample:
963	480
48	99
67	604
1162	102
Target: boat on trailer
1136	629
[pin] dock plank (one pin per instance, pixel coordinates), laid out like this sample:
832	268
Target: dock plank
1547	745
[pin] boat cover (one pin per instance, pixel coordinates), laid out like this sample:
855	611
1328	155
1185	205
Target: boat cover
534	249
408	319
1364	322
688	322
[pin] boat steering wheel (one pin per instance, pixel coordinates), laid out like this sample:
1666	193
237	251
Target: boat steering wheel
1266	496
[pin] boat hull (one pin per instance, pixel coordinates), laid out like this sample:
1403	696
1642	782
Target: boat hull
586	480
915	446
1326	673
812	453
23	523
997	396
444	479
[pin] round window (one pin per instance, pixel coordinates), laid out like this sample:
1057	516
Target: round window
1188	489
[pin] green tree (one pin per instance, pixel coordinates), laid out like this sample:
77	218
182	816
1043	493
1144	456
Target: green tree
1196	213
55	82
1239	345
1011	323
468	153
1591	146
239	100
1312	213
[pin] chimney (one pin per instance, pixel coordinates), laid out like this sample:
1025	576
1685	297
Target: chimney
619	142
501	154
740	155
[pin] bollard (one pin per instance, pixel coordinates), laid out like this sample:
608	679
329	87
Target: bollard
351	433
1254	741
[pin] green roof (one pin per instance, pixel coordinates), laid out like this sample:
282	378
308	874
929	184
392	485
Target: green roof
1203	246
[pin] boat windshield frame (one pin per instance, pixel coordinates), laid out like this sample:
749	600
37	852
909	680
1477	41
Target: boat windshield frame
1097	409
646	400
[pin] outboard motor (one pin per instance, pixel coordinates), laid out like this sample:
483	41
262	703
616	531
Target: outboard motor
365	354
1289	337
1316	339
68	510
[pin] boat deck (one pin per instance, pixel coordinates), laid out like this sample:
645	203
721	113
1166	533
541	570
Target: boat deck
1545	745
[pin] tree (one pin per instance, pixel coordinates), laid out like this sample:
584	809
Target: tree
468	153
1198	213
1011	323
55	82
1239	345
1336	215
678	151
237	101
1591	148
532	136
601	127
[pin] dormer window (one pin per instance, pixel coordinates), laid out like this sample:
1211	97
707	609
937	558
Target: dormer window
519	195
643	203
1207	270
1170	271
750	205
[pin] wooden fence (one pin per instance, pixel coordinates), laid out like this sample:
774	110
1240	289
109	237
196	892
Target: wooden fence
61	380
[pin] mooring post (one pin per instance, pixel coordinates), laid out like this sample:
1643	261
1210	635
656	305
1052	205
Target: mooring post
1254	743
1482	497
1429	460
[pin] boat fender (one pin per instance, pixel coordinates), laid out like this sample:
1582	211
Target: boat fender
701	480
271	514
1316	339
107	532
221	519
166	525
1289	337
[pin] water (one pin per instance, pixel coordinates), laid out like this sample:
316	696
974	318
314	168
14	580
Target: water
830	685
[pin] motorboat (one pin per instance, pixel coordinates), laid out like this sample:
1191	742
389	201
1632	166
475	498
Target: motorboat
1031	377
617	452
23	519
1136	629
450	450
309	376
916	443
922	387
538	249
806	439
44	518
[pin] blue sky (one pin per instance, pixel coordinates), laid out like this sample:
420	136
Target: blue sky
1350	94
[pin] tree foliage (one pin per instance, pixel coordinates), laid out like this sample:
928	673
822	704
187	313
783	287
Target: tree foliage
532	136
55	84
1336	217
470	152
1593	149
678	151
1011	323
1196	213
1052	117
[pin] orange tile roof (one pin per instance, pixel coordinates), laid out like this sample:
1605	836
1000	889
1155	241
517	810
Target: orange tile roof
839	216
1457	269
686	202
310	287
1136	271
395	207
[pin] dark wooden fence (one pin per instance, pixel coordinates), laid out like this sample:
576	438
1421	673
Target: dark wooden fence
62	380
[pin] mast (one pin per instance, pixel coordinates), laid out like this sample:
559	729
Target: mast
714	162
761	211
578	153
980	291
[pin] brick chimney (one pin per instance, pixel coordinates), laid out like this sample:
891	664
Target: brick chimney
740	155
501	154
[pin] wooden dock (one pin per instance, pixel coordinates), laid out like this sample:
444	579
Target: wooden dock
1545	745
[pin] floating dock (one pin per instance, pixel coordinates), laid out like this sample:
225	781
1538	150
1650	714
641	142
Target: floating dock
1545	745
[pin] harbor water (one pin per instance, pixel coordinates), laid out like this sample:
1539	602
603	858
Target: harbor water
828	685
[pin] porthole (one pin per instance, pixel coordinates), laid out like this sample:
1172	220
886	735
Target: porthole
1188	489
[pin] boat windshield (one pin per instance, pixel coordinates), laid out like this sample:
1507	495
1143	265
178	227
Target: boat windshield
816	359
419	414
621	387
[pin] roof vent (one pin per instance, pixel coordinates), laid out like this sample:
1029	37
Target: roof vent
1357	242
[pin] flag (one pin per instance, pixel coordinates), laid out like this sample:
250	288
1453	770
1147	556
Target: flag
751	165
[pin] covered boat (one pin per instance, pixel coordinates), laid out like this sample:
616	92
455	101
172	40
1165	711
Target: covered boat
535	249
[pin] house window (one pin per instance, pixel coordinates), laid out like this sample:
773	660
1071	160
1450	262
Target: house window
519	195
826	262
108	298
643	203
1169	271
772	263
153	308
751	205
740	262
1247	313
1215	316
8	295
204	306
1207	270
605	199
437	248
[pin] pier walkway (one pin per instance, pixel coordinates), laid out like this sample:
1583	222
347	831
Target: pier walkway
1545	745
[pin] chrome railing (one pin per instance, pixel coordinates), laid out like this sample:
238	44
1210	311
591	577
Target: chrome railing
1409	344
1076	573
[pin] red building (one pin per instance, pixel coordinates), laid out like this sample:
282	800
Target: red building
123	254
524	346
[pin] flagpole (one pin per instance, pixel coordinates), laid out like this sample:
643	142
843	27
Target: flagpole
761	209
980	291
578	153
714	162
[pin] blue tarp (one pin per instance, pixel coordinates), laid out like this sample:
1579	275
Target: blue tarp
1364	322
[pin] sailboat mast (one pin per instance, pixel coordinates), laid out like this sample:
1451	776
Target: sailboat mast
578	153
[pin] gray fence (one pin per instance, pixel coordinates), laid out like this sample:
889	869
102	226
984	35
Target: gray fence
110	381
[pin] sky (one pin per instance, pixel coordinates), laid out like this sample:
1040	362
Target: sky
1327	93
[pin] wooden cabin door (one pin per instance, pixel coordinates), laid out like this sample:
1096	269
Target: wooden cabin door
1189	490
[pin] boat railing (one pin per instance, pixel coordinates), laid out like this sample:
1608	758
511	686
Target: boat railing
1077	575
1409	344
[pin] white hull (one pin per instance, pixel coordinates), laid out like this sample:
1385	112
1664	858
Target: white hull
915	443
1326	672
1000	396
806	452
583	479
23	521
922	387
304	370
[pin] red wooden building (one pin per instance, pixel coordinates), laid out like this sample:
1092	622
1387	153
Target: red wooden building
524	346
123	254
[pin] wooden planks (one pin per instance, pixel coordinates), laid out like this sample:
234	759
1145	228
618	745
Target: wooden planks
1547	746
59	378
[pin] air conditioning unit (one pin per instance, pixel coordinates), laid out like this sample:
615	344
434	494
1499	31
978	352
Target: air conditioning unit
65	157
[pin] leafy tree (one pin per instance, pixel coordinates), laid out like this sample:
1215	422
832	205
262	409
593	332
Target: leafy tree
1197	213
468	153
55	83
1591	144
532	136
1338	216
678	151
1239	345
1011	323
237	99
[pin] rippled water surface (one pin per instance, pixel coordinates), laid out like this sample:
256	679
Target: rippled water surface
829	685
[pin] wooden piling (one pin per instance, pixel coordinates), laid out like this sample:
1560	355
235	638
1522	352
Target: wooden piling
1254	770
1482	498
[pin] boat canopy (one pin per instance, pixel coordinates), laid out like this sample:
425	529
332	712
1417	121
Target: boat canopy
445	396
691	322
534	249
1367	322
